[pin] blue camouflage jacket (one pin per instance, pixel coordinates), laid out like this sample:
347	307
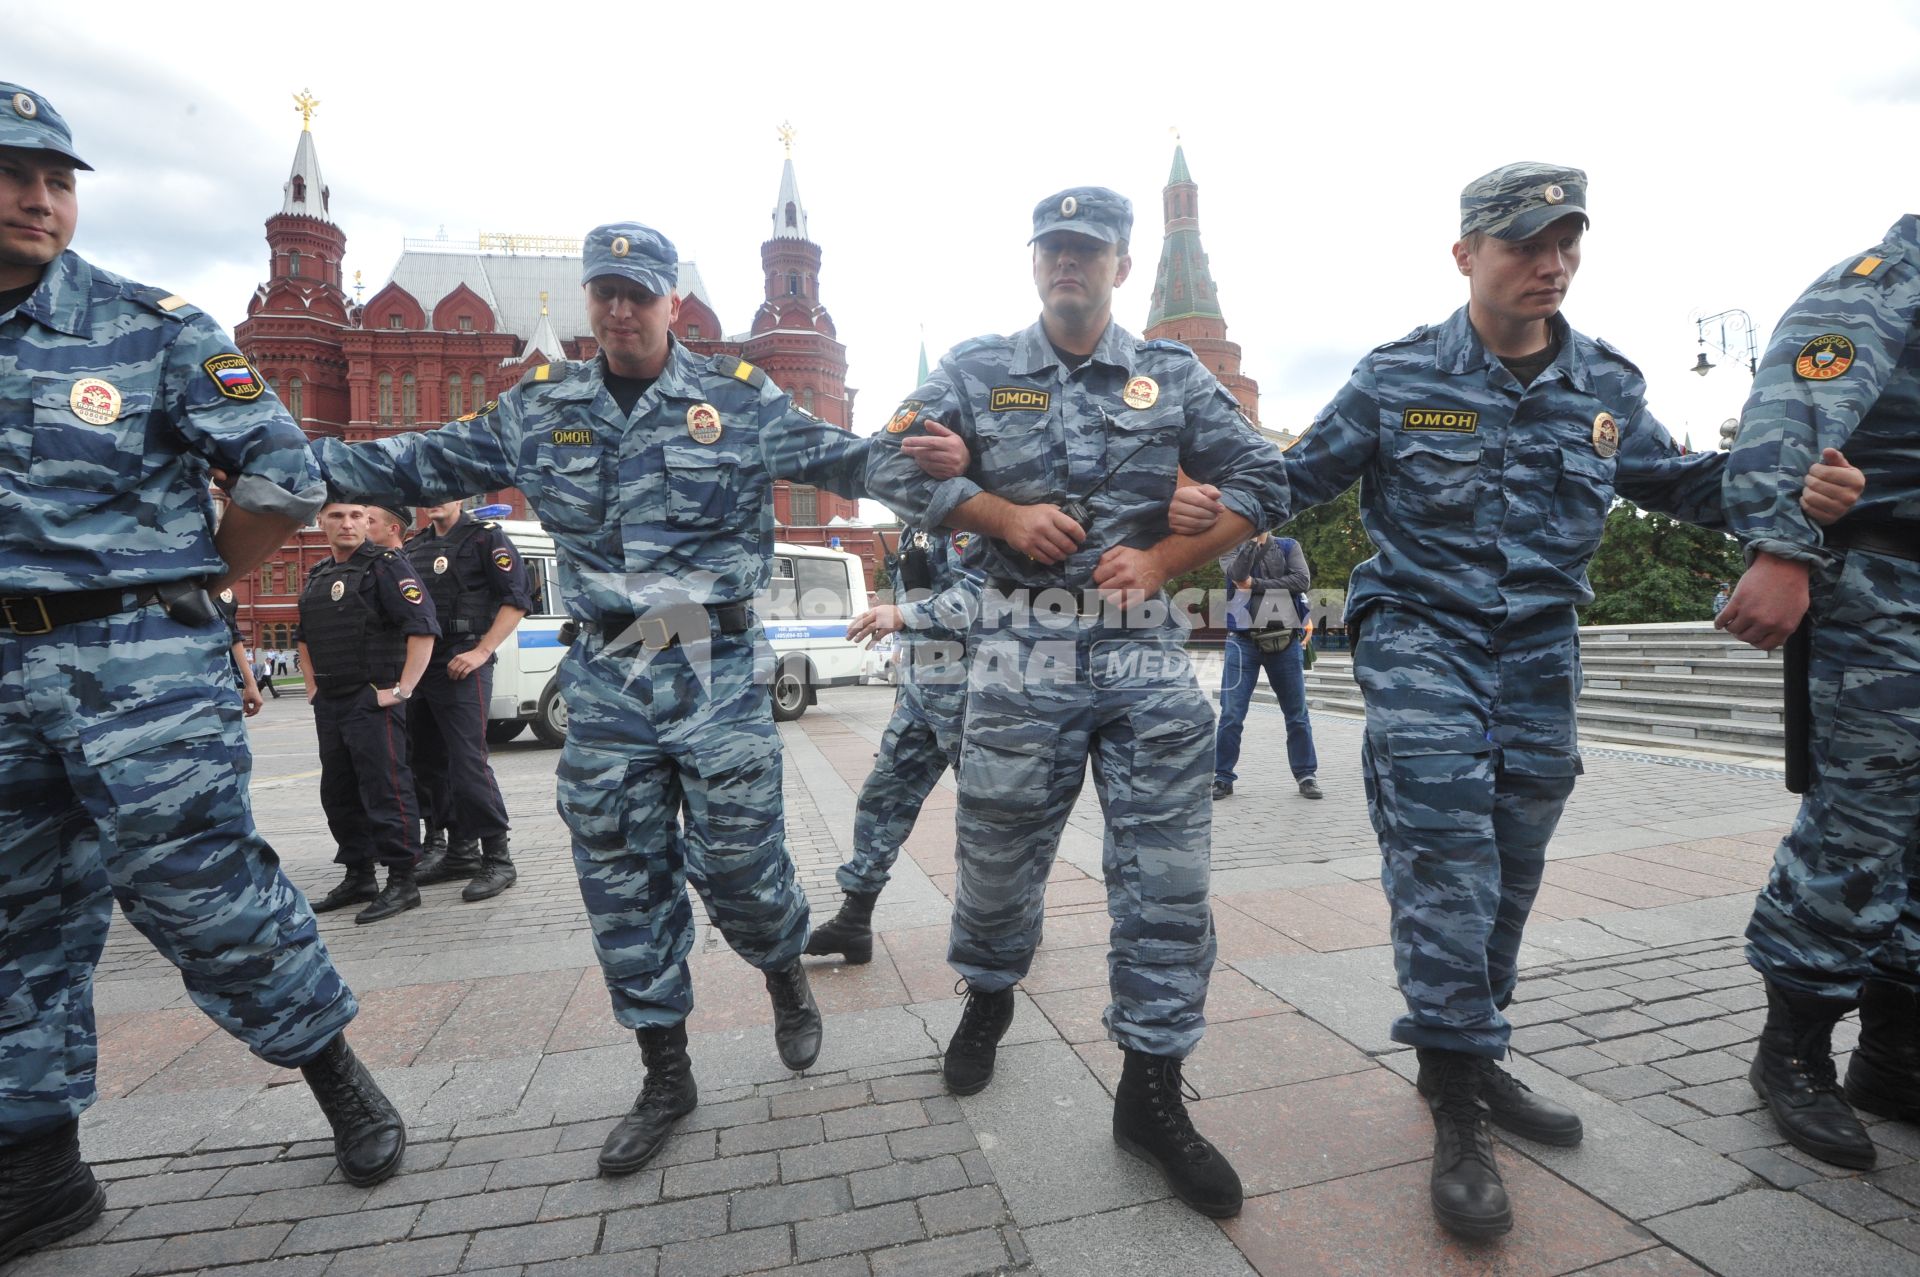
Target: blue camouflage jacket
1841	371
1485	499
115	402
1037	432
672	503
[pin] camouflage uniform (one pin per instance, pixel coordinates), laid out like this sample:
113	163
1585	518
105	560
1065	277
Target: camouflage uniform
1050	689
662	521
123	763
1485	499
1843	371
923	737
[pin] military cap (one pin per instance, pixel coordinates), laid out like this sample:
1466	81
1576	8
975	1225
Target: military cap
29	122
1093	211
634	252
400	512
1517	201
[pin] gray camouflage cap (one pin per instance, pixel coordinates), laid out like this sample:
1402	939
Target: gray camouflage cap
634	252
29	122
1517	201
1093	211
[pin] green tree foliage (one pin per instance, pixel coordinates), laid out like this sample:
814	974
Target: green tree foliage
1331	537
1654	568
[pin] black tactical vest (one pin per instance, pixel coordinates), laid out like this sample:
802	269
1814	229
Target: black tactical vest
464	612
349	643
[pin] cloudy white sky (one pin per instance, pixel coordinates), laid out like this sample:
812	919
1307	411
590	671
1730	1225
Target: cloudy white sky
1735	150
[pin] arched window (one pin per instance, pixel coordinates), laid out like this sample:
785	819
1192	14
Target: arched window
296	400
385	414
806	398
793	217
466	323
793	283
293	262
693	332
453	397
479	387
299	190
409	401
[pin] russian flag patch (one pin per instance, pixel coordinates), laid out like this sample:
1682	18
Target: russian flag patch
234	377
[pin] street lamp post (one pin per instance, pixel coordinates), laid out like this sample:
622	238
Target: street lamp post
1731	333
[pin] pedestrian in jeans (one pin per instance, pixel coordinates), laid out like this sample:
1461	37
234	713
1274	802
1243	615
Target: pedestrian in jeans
1266	629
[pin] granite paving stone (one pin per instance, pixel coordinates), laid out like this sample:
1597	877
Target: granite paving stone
1767	1233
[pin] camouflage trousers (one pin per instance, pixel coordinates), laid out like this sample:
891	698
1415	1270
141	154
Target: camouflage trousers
1843	902
1042	700
1468	761
922	740
671	773
137	793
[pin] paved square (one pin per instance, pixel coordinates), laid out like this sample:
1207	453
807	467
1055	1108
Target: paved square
490	1028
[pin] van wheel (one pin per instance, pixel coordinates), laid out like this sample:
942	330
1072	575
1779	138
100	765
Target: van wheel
550	719
790	691
502	730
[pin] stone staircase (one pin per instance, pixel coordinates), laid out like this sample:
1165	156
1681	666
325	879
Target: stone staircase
1682	687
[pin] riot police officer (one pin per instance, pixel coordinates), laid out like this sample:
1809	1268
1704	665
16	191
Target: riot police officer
366	633
1079	431
123	762
479	589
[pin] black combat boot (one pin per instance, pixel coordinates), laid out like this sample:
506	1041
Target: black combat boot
968	1063
1513	1106
1468	1198
496	870
357	888
796	1019
46	1192
1793	1072
1150	1121
444	863
398	896
849	932
1884	1075
666	1095
368	1135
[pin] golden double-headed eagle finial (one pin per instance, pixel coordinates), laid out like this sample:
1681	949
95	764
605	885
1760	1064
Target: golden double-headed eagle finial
305	103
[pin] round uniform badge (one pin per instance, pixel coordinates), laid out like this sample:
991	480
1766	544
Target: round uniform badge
94	401
1141	392
439	564
503	560
703	423
1824	358
339	591
621	246
1606	435
25	107
1069	206
1554	195
226	596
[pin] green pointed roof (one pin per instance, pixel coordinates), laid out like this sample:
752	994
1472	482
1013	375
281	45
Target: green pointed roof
1183	286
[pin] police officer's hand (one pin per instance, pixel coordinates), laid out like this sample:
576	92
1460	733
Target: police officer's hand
1767	605
466	663
1194	509
250	699
940	453
874	622
1127	576
1044	533
385	699
1833	485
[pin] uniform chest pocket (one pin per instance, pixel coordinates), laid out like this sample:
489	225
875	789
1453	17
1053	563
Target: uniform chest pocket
572	487
701	485
1583	495
1438	479
71	451
1143	453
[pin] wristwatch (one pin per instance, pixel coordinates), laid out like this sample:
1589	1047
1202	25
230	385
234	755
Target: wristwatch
400	693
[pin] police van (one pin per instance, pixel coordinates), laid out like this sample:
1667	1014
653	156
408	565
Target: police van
812	594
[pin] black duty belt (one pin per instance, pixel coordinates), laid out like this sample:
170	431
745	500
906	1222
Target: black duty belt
662	629
1901	540
42	613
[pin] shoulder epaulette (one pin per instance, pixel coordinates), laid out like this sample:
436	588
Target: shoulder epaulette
166	303
490	525
739	370
1167	344
972	345
1875	265
1613	352
546	374
1419	334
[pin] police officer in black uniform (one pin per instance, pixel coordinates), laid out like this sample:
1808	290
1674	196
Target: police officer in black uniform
479	589
229	608
366	633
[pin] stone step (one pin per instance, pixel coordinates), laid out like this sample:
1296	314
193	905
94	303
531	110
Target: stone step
1684	701
1700	667
1682	683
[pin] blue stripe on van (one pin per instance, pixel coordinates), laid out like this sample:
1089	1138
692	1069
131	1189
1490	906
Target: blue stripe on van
808	629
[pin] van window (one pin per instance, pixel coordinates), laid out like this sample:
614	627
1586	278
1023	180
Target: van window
823	588
779	603
542	586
